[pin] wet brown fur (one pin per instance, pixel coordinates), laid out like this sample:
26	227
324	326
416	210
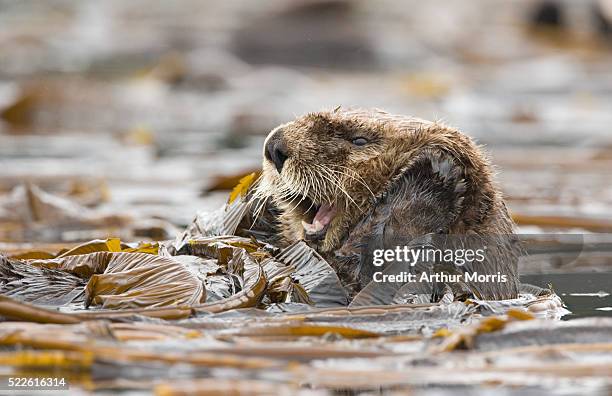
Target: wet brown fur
325	139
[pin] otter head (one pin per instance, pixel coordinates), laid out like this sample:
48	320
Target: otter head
325	170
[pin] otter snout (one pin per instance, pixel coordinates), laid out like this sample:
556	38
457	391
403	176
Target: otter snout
275	150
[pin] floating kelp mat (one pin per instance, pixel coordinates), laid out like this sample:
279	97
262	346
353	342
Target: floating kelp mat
222	308
535	354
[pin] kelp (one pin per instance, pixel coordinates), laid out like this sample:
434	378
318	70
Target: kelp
39	285
286	290
390	320
67	360
132	280
532	333
463	338
244	215
243	187
17	310
96	245
252	289
295	274
220	247
139	313
406	319
205	263
222	387
304	330
29	213
222	222
284	351
133	283
87	342
314	275
239	281
590	224
236	183
532	299
298	274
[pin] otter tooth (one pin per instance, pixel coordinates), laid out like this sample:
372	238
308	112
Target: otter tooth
318	226
308	227
312	228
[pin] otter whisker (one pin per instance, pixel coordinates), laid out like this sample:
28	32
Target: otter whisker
292	192
355	176
327	175
323	173
259	210
261	200
255	195
260	189
260	195
300	201
338	184
332	179
318	189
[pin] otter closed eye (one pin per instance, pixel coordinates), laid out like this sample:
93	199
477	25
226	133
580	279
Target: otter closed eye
360	141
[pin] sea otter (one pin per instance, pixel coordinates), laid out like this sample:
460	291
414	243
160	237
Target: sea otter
349	178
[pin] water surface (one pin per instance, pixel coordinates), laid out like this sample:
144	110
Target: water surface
584	294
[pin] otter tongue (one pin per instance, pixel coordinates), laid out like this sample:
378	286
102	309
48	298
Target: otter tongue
324	216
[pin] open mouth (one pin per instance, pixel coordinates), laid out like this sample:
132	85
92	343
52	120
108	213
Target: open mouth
316	219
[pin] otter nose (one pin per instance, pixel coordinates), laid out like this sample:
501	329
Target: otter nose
276	151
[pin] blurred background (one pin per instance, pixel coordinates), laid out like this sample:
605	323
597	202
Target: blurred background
127	117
